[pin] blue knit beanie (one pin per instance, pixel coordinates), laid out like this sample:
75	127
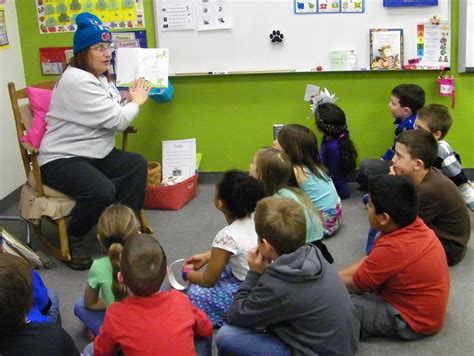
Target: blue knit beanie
89	32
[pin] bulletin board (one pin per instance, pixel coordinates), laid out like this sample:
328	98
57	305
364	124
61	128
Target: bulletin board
56	16
308	39
466	36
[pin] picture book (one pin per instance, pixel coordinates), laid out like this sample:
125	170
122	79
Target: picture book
386	48
149	63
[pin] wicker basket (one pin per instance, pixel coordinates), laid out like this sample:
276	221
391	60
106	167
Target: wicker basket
154	174
171	197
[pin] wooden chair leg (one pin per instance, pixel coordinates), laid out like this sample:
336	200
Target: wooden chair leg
63	239
61	253
144	225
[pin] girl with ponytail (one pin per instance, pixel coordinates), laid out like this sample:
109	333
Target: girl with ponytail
116	224
337	151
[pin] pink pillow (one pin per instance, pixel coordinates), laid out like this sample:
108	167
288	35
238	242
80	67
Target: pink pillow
39	103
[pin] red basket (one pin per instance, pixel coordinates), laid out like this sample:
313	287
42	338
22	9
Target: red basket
171	197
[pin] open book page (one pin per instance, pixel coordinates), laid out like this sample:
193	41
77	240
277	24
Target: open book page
150	63
179	158
11	245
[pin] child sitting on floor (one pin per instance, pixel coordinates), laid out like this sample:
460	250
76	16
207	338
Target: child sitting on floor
150	321
337	150
301	146
275	170
442	207
45	307
292	301
405	278
18	335
436	119
116	224
213	289
405	101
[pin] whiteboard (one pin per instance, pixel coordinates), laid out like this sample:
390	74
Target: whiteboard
466	36
308	39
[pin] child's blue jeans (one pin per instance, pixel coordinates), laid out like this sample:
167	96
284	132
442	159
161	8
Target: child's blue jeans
371	237
92	319
203	347
232	340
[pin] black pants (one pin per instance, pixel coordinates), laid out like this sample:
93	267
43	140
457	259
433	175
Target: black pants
120	177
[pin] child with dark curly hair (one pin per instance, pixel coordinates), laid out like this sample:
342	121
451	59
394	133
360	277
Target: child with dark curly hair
213	289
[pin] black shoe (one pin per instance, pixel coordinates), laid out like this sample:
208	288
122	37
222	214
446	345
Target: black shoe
79	259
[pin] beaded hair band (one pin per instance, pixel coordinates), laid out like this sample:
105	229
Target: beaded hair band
331	129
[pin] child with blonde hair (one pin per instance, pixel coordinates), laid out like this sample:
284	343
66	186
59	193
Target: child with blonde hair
213	289
275	170
116	224
150	321
301	146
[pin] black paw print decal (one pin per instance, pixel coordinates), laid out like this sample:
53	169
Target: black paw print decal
276	36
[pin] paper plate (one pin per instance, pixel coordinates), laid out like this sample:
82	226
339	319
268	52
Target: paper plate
172	271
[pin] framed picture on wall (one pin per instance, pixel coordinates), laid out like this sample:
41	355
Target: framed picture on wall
386	48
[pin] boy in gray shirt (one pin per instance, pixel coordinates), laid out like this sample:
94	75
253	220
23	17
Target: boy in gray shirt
292	301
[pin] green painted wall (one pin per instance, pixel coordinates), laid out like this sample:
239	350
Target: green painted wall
232	116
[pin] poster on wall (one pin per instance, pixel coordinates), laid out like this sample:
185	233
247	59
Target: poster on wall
3	30
176	15
302	7
433	44
386	48
213	15
54	59
59	15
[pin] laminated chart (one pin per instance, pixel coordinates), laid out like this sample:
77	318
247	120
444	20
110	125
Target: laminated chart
328	6
59	15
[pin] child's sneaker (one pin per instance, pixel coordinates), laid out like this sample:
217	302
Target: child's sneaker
365	199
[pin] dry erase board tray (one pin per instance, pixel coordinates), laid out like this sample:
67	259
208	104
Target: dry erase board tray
246	47
289	71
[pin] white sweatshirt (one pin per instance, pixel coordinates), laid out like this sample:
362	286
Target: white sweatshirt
84	115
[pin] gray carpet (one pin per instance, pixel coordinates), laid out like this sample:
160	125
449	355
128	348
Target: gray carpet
192	229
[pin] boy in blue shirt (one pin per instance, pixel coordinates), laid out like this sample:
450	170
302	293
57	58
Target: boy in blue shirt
18	334
405	101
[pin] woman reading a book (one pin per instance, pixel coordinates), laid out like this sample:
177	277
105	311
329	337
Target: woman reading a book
77	153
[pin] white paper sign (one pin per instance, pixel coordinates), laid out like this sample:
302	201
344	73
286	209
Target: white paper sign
213	15
311	90
176	15
179	158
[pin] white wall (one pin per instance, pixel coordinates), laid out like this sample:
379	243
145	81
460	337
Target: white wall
466	36
12	174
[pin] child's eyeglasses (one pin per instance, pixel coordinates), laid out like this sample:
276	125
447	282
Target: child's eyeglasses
104	47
